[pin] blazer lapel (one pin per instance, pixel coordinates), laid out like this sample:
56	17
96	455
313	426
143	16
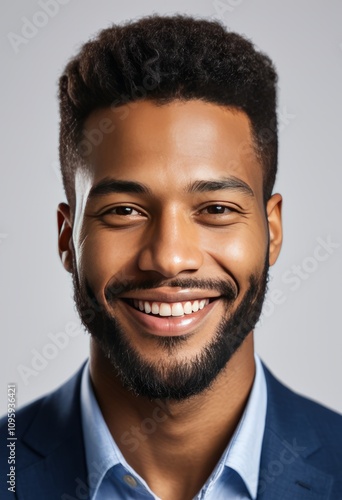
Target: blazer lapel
289	441
57	468
53	463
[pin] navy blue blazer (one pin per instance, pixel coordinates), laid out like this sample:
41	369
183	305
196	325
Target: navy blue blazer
301	452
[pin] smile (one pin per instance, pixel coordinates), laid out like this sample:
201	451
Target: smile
166	312
164	309
161	318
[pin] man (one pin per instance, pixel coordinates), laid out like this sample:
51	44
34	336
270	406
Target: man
168	149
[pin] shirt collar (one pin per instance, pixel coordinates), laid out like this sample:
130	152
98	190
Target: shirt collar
244	450
242	454
102	452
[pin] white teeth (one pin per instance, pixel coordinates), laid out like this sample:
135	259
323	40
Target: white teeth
170	309
195	306
177	309
187	308
155	308
164	309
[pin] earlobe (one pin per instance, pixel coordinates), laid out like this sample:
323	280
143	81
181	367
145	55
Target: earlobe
65	236
274	206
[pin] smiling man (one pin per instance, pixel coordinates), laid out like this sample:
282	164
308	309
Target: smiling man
168	150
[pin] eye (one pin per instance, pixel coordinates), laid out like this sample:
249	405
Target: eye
123	210
218	214
217	210
122	216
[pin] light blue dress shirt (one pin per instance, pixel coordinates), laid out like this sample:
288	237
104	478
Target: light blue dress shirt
235	476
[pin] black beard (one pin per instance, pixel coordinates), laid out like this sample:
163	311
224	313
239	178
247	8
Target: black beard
178	380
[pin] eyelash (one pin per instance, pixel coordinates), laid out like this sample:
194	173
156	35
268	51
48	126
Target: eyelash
217	205
113	210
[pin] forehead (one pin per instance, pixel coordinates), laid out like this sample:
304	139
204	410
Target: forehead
171	144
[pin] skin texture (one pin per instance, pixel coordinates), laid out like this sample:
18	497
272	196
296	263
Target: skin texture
171	234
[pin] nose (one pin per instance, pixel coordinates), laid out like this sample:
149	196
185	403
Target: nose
172	246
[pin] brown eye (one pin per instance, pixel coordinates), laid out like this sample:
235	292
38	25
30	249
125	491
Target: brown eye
123	211
217	210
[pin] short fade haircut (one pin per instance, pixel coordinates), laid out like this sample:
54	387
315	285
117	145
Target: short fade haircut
164	59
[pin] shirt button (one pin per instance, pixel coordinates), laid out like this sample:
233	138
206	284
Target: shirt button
130	481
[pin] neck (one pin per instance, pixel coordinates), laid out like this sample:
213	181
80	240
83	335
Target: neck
174	445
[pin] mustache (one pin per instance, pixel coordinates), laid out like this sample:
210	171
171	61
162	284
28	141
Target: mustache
225	288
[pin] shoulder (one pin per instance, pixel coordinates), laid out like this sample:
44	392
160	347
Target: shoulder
49	449
302	446
50	402
23	417
294	406
43	429
317	427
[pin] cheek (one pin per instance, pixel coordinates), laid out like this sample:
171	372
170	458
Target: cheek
241	251
104	256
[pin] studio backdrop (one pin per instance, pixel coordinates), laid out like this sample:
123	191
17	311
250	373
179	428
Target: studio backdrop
299	335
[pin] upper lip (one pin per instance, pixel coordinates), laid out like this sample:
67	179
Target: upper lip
164	295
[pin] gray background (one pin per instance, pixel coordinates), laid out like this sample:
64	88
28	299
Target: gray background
300	338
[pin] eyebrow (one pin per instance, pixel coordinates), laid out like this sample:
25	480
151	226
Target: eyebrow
224	183
109	185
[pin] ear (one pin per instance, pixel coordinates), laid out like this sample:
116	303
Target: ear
275	228
65	236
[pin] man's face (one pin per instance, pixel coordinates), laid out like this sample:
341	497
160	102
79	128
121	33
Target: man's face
170	243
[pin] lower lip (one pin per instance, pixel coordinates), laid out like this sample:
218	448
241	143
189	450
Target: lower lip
171	325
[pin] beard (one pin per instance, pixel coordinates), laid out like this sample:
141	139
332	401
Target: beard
175	380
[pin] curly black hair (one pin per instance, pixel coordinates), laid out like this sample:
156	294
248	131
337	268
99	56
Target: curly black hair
163	59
